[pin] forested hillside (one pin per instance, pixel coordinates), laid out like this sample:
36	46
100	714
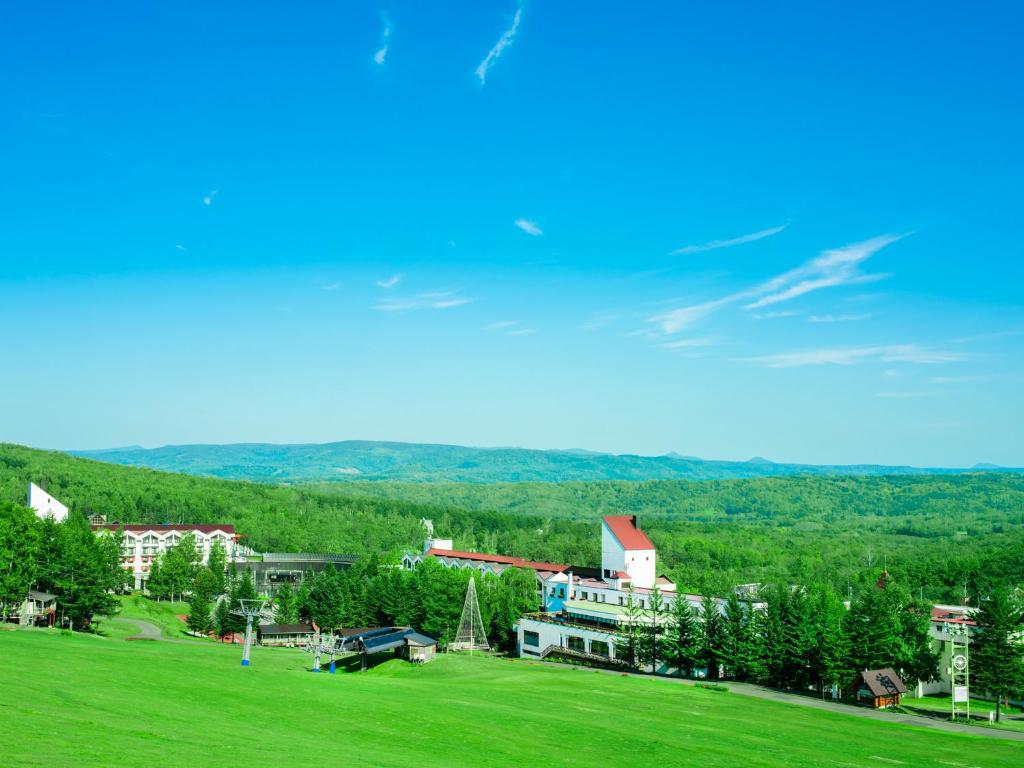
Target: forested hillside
418	462
934	534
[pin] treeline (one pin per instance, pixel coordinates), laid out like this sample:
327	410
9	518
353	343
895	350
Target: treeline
805	638
65	559
430	599
942	537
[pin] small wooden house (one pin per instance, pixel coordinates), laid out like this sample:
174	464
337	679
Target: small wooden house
879	688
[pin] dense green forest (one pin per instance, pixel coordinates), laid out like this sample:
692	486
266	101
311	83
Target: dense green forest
936	534
351	460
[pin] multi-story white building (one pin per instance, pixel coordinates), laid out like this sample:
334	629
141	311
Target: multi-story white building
582	609
945	621
143	544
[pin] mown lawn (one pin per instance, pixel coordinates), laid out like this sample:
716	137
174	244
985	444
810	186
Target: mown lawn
940	705
93	701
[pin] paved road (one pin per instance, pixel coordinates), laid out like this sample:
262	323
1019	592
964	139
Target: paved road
758	692
147	630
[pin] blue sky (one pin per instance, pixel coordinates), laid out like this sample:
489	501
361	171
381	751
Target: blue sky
724	229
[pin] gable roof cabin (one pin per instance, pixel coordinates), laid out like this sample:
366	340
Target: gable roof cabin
879	687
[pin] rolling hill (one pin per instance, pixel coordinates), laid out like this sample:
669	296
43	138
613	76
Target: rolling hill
422	462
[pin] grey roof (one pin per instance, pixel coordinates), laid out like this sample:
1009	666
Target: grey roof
415	638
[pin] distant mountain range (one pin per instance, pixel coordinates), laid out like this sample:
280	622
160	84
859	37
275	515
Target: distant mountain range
422	462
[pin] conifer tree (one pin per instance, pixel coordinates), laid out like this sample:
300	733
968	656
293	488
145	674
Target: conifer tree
711	636
628	646
285	608
653	630
199	608
222	618
681	644
997	651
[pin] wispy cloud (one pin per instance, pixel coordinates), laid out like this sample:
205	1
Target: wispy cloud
390	282
385	39
434	300
714	245
208	198
839	266
907	395
501	325
181	247
891	353
836	318
529	227
506	39
522	332
705	341
833	268
332	286
775	315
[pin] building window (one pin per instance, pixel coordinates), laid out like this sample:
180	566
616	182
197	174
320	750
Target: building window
622	600
599	648
575	643
584	595
531	639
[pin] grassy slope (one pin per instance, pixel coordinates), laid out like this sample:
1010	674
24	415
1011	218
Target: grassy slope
92	701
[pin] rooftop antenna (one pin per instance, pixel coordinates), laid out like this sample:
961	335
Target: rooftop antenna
471	635
250	609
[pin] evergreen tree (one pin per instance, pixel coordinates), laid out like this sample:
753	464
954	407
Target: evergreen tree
887	628
655	615
285	607
199	609
223	621
681	642
631	629
740	646
711	636
205	583
88	571
217	563
20	550
243	589
829	663
997	650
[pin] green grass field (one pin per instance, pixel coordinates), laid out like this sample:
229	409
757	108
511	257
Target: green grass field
1011	716
164	614
95	701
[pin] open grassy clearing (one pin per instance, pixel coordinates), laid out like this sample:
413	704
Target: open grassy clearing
85	700
1012	716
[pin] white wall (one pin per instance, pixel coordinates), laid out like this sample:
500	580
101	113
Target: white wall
640	564
44	504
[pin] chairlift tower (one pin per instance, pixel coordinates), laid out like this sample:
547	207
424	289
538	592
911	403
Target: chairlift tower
960	672
250	609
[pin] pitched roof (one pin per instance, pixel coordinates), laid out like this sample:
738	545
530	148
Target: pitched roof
484	557
883	682
136	527
623	528
951	616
